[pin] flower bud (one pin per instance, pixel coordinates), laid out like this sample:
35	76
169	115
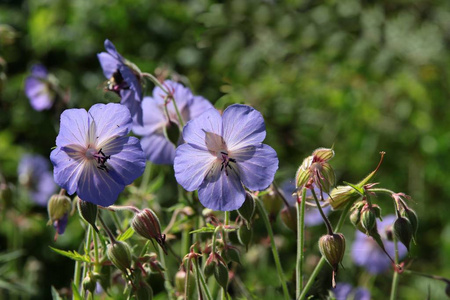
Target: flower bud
403	231
323	154
289	217
88	211
332	247
247	210
413	219
144	291
221	275
146	224
90	283
245	235
210	265
341	195
272	202
303	172
180	282
172	132
58	206
119	254
231	253
368	218
323	176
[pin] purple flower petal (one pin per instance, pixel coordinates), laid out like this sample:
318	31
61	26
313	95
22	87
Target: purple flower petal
110	121
221	192
133	102
197	106
191	166
74	127
194	131
158	149
68	166
153	118
38	90
180	93
257	165
131	79
243	126
109	46
342	290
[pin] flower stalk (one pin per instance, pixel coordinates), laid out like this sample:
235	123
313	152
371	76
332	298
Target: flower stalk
300	241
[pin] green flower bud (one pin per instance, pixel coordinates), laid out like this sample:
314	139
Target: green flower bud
368	218
231	253
324	176
332	247
323	154
209	266
144	291
180	282
172	132
413	219
88	212
272	202
57	207
90	283
341	195
119	253
403	231
221	275
146	224
303	172
245	235
289	217
247	210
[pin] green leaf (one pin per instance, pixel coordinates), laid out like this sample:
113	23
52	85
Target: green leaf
8	256
209	228
75	293
126	235
72	255
355	187
55	295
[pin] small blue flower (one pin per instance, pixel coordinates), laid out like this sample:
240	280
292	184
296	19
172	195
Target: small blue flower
124	78
223	153
94	157
312	214
345	291
35	175
157	148
38	88
367	253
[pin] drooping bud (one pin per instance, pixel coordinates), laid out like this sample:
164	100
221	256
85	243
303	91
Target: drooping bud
247	210
323	176
272	202
90	283
88	211
144	291
289	217
146	224
119	254
231	253
411	215
58	206
368	218
221	275
355	215
403	231
245	235
303	173
332	247
172	132
210	265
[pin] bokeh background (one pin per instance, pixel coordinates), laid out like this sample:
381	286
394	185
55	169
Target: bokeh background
361	76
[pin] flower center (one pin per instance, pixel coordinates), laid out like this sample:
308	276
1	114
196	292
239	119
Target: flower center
100	157
116	83
223	155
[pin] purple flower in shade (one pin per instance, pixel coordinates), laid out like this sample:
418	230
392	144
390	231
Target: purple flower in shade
94	157
367	253
312	214
157	148
222	153
345	291
38	88
34	173
123	78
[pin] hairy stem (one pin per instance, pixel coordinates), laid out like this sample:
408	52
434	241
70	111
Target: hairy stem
300	242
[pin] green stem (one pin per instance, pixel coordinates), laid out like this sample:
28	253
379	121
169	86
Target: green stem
300	242
77	275
187	286
96	255
325	219
322	260
276	257
185	242
382	190
395	278
202	280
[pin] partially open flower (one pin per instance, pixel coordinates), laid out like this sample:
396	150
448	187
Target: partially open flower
316	170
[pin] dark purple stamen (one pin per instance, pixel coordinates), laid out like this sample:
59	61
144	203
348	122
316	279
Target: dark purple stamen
101	160
226	162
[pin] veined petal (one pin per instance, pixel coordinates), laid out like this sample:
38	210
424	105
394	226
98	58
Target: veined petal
257	165
109	46
153	118
74	127
67	169
127	160
220	191
109	64
191	166
98	186
131	100
198	106
194	131
158	149
242	126
111	120
131	79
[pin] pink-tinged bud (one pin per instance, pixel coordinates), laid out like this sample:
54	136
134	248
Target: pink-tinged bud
323	176
341	195
146	224
411	215
88	212
119	254
289	217
303	173
323	154
332	247
403	231
247	210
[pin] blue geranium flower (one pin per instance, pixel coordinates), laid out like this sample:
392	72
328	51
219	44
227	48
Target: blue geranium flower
367	253
157	148
123	78
35	175
38	88
94	157
223	153
345	291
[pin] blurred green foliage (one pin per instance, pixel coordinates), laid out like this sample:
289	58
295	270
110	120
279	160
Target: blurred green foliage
359	76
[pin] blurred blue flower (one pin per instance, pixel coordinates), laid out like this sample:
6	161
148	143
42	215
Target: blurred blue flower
367	253
157	148
345	291
312	214
123	78
222	153
38	88
94	157
35	175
